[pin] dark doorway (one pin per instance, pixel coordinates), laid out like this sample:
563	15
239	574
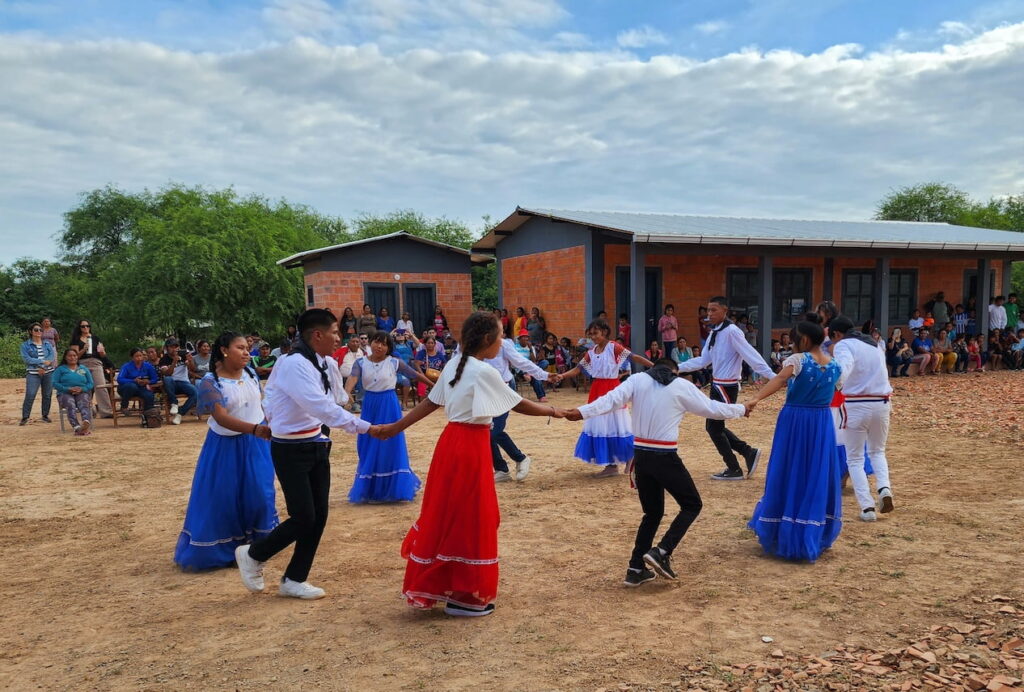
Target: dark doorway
652	300
419	301
382	296
971	285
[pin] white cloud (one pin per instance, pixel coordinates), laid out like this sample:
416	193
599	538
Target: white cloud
641	37
464	133
955	30
301	17
713	27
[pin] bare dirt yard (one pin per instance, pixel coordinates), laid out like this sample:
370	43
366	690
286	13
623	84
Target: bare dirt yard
929	597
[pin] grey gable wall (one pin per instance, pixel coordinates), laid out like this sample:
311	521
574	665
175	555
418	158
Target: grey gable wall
394	255
541	235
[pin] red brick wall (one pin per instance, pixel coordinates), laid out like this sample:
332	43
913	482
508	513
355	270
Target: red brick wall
553	281
338	290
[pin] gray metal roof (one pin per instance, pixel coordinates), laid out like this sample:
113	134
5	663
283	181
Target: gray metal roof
729	230
300	258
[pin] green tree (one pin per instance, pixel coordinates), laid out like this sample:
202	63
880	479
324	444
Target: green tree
442	230
936	202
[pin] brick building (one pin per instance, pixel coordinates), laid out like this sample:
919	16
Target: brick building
399	271
572	264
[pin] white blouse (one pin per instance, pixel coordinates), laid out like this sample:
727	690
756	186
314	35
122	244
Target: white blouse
240	398
606	364
477	397
382	376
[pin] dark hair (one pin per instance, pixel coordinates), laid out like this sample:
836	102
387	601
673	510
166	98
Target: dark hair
314	318
812	317
134	350
670	305
622	316
601	325
719	300
200	343
382	337
666	363
811	330
217	356
841	324
33	326
64	358
476	333
830	309
348	312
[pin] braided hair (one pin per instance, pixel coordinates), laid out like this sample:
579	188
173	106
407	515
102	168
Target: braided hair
217	355
478	332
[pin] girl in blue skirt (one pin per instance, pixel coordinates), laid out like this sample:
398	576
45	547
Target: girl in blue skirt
800	514
232	498
383	473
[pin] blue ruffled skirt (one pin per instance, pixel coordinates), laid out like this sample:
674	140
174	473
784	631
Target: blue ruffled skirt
800	514
383	473
232	501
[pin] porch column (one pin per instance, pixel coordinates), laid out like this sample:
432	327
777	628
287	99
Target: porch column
984	297
1007	281
828	278
637	296
501	288
881	306
764	305
593	297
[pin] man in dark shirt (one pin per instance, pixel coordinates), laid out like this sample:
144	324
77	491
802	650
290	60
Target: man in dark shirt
264	362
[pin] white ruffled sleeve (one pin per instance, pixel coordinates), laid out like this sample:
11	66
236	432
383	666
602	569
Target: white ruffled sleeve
491	396
797	361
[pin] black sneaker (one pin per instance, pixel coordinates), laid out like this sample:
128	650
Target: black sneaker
728	475
46	419
462	611
659	563
24	421
636	577
753	457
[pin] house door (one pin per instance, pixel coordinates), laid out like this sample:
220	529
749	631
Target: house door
419	301
652	300
971	285
382	296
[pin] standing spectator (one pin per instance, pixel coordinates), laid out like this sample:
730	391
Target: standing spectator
940	309
681	353
405	324
773	358
201	360
73	383
536	326
506	324
960	318
654	352
385	322
174	367
972	324
749	331
923	356
264	362
349	324
520	321
53	336
366	323
137	378
916	321
997	314
996	351
944	353
91	354
703	325
785	346
1011	307
974	355
624	330
668	327
40	361
898	353
440	322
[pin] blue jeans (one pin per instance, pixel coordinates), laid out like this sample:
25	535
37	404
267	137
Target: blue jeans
174	387
500	438
33	382
127	391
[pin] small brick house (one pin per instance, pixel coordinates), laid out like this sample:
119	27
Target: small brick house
573	264
399	271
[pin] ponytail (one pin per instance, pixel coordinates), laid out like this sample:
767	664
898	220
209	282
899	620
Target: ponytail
475	332
216	355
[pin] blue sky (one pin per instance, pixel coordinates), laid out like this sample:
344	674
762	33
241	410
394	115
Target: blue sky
464	108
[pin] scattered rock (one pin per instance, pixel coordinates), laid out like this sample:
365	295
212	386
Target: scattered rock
777	653
767	640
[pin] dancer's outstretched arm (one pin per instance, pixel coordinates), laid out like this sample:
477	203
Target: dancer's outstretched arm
774	385
422	410
532	408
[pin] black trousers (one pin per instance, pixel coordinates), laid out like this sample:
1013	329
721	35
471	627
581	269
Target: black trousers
304	471
657	473
725	440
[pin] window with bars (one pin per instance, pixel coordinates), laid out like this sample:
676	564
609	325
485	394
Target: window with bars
902	294
858	295
309	295
792	288
742	292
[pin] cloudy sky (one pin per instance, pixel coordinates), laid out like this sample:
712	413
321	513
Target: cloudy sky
461	108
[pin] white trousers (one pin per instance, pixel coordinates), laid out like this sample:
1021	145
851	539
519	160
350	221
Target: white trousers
867	422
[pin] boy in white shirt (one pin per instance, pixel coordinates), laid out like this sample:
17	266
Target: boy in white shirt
660	400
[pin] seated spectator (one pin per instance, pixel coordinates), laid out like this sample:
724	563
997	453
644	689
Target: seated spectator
405	349
785	346
960	349
405	324
153	356
654	351
254	342
74	386
876	336
942	349
916	321
137	378
898	354
923	356
1016	353
974	355
174	368
385	322
264	362
929	321
681	353
450	345
429	356
549	353
201	360
996	350
960	320
40	362
700	377
774	360
93	355
527	350
749	330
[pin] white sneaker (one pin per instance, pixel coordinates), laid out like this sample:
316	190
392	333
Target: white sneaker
249	570
523	469
86	426
300	589
174	409
177	419
502	476
868	514
885	501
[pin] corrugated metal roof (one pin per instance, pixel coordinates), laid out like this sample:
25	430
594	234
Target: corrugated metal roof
684	228
301	257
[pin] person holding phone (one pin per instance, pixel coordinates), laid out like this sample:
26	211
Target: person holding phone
898	354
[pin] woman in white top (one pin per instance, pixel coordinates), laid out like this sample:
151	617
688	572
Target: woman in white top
232	496
405	324
383	473
452	549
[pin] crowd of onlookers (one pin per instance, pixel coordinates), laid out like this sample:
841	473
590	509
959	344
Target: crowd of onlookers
939	338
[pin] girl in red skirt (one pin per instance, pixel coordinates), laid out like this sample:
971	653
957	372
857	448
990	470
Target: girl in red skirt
452	549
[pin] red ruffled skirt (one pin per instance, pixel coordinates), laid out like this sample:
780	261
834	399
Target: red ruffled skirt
452	549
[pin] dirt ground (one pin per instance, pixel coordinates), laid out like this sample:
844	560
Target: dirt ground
92	600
